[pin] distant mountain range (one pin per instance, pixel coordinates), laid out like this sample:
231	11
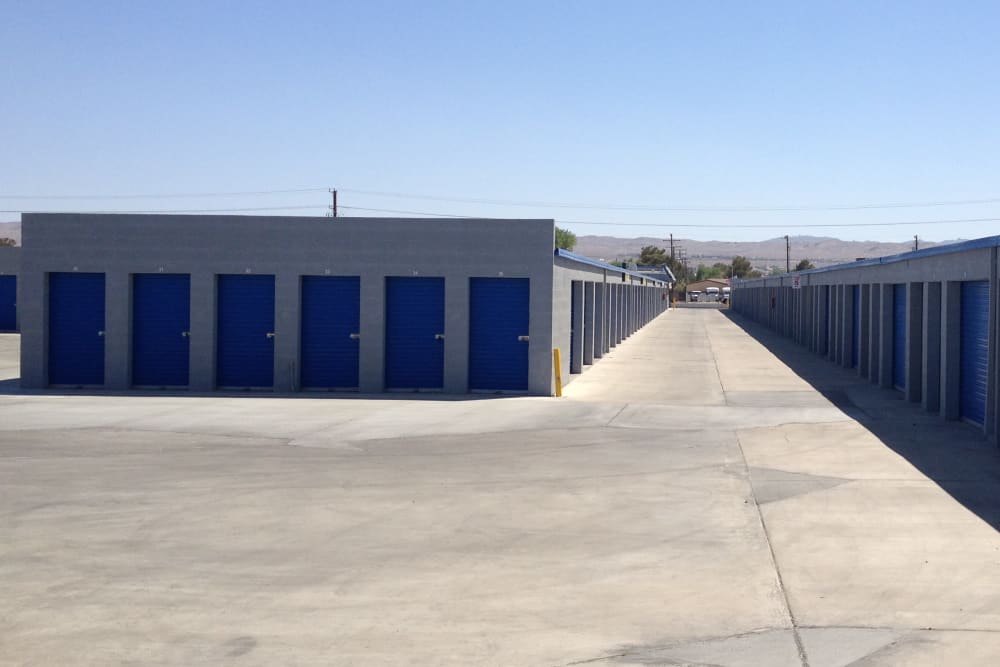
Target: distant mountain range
820	250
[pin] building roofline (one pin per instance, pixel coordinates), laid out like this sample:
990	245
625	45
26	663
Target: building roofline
581	259
947	249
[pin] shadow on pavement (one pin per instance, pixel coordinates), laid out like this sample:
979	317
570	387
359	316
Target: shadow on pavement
954	455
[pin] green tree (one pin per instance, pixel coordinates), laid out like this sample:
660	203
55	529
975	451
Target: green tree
6	242
565	239
741	267
650	254
804	265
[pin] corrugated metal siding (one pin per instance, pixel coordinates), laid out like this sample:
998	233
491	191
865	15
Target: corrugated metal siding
161	316
245	351
498	316
975	336
331	313
76	329
414	356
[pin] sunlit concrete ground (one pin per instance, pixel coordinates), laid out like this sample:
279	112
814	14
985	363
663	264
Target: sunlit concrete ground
696	498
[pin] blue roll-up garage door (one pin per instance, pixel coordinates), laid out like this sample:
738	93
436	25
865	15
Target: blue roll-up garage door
245	336
414	333
899	336
856	327
498	333
161	321
974	364
331	323
8	303
76	329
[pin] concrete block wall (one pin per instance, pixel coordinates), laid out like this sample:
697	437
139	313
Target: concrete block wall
605	304
10	261
288	248
820	316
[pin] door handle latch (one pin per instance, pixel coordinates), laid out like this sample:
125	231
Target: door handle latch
355	336
100	333
523	339
186	334
438	336
270	334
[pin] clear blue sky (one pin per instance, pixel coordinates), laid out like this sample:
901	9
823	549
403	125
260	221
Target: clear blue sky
669	104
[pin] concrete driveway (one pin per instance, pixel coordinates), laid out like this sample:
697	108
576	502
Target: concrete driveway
696	498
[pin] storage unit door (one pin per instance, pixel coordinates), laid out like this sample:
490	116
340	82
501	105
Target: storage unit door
899	336
498	333
245	335
974	364
76	329
8	303
856	328
161	323
414	333
331	324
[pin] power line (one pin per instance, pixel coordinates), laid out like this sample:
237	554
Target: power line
698	226
670	225
675	209
528	203
183	210
172	195
392	210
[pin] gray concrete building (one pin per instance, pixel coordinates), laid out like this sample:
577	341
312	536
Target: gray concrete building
922	323
10	266
315	304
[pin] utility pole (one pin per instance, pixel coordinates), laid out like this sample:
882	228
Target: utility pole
788	255
916	242
333	204
671	246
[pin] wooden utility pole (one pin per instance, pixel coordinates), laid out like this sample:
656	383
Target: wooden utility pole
671	246
916	242
333	203
788	255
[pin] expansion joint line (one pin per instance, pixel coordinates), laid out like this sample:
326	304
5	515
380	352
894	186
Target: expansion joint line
800	647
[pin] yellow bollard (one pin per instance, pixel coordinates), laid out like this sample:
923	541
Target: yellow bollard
557	363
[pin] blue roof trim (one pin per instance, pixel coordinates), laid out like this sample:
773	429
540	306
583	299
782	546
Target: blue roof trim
573	257
652	268
948	249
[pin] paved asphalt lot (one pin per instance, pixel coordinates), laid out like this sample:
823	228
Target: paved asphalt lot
707	495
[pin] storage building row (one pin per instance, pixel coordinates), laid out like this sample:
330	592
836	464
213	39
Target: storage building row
605	305
922	323
289	304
